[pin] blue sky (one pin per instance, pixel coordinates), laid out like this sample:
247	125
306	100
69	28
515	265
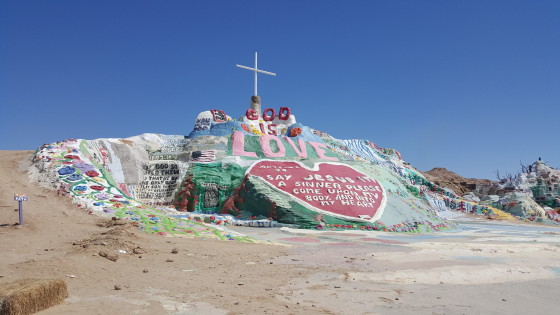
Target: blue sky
472	86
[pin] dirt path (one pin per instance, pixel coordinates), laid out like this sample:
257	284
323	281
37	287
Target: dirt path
59	240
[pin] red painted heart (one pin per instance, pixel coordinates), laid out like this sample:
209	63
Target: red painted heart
330	188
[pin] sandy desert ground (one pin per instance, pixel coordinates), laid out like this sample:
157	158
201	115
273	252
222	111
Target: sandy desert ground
483	267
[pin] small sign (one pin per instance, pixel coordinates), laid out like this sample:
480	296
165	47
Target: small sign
20	197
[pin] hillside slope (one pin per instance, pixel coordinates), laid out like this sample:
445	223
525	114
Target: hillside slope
459	184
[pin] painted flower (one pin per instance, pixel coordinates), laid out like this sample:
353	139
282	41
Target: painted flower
101	196
85	167
74	177
72	157
92	173
66	170
99	180
97	187
80	188
295	131
255	130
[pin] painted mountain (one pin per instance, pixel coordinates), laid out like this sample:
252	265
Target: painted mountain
262	169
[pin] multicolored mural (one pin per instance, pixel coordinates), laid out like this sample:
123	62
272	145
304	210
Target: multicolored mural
77	173
263	169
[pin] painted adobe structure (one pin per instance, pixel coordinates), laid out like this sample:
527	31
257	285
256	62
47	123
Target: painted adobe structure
533	194
262	169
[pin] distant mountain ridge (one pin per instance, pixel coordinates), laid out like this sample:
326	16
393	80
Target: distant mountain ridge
459	184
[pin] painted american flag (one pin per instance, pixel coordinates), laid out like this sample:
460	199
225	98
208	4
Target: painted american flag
205	156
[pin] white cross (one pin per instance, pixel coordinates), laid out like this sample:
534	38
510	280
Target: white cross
256	70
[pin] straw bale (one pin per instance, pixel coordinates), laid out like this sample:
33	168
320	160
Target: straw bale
28	296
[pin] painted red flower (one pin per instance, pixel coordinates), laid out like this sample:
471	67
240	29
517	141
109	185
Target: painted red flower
295	131
97	187
92	173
